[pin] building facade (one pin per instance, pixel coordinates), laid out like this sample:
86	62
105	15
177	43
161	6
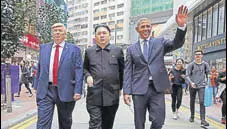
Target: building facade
209	29
206	29
84	15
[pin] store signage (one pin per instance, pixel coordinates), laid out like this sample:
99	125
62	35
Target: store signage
30	41
212	44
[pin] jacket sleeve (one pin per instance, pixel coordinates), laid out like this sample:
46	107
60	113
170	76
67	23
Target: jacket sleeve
78	71
86	71
127	84
38	70
121	68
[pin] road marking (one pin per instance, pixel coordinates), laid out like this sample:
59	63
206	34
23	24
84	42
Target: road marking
212	122
25	123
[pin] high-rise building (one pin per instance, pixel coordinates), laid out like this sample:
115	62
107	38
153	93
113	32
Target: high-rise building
84	15
79	21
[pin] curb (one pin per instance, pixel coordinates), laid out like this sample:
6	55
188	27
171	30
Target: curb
12	122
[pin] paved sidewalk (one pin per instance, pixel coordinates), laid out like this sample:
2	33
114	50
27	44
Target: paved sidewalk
213	112
23	107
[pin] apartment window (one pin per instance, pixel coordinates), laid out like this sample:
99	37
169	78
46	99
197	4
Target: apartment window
120	5
103	17
221	17
209	24
120	13
111	15
120	21
112	7
120	37
111	23
96	11
215	20
204	25
104	2
83	26
104	9
96	4
96	18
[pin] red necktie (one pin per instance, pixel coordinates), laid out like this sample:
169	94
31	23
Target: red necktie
55	65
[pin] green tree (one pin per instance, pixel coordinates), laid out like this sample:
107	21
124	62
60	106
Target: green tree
49	14
70	38
12	25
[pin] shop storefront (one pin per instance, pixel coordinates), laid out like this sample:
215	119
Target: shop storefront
29	50
209	29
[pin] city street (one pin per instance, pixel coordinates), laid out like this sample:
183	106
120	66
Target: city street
124	118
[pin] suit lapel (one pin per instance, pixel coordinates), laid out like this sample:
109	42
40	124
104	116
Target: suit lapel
64	52
152	50
138	48
151	43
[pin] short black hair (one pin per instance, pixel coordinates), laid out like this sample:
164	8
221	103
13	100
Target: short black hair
102	25
180	59
198	50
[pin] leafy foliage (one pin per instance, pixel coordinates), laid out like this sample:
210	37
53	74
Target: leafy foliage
13	24
49	14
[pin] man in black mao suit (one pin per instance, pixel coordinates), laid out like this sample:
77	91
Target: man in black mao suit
103	71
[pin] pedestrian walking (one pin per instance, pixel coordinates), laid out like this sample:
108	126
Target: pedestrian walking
24	78
177	79
221	94
197	75
59	79
103	71
213	80
145	75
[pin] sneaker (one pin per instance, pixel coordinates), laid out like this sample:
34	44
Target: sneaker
177	112
204	123
174	115
223	120
191	119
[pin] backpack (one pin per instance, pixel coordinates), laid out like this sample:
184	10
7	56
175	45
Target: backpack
205	68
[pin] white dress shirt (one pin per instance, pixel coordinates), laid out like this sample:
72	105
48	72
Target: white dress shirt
62	44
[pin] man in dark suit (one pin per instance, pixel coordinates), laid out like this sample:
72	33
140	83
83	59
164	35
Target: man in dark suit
103	71
59	79
145	75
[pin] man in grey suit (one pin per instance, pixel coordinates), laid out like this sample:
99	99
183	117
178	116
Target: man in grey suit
145	75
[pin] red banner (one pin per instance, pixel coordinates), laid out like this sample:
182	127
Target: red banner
30	41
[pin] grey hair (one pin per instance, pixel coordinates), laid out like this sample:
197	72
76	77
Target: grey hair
142	19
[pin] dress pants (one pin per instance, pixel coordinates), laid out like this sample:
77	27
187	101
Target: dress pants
101	117
46	110
152	101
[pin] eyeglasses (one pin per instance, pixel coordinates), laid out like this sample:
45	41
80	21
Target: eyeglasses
198	54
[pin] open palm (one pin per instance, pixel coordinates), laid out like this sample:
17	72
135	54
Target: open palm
182	15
